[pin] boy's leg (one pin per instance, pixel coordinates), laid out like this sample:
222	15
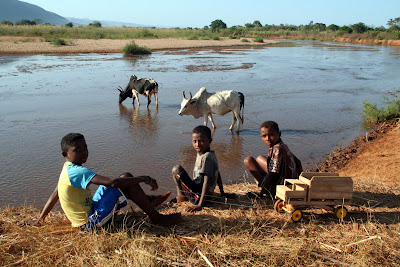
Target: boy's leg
185	186
256	167
154	200
137	195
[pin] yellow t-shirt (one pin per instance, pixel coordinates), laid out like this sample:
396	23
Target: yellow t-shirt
75	197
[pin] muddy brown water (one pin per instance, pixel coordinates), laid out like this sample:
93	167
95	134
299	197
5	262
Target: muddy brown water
313	90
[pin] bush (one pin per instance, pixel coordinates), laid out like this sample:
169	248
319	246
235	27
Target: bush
244	40
69	24
133	49
59	42
258	39
373	114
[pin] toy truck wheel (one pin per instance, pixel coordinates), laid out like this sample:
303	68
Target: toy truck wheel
297	215
341	212
279	205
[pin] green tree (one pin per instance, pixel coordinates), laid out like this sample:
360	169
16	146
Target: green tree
359	27
346	29
257	23
249	25
95	24
319	27
25	22
69	24
394	24
38	21
217	25
7	22
333	27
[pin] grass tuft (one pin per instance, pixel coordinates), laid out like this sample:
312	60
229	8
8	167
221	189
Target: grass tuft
373	114
134	49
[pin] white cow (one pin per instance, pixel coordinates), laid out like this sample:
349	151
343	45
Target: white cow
203	104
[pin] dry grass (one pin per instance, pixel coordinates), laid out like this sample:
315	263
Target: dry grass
226	234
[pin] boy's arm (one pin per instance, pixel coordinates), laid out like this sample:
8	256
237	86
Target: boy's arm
124	182
45	211
204	191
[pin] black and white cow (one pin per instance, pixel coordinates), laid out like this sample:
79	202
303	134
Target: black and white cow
143	86
203	104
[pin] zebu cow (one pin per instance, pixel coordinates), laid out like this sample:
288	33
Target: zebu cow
203	104
143	86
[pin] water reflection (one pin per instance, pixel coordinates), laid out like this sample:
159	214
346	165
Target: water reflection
142	123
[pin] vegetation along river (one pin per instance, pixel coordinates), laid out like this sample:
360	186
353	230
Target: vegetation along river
314	91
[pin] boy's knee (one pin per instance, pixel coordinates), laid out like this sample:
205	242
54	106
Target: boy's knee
248	160
126	174
176	170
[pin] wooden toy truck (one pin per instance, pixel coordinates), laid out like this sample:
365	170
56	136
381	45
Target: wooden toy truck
326	190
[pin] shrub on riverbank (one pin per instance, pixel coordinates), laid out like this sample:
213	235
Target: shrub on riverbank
373	114
134	49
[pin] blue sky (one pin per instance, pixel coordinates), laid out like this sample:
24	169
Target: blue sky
186	13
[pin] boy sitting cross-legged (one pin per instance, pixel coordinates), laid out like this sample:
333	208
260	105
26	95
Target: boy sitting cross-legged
75	196
206	173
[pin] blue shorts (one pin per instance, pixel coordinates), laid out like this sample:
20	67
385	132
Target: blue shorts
106	201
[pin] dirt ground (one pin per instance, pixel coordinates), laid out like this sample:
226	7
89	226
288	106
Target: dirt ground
22	45
372	158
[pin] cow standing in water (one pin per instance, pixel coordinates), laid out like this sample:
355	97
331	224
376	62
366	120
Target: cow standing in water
203	104
143	86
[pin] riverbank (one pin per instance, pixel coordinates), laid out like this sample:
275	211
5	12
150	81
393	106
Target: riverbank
239	233
21	45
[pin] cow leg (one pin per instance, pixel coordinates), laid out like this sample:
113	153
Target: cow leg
135	95
233	121
156	98
212	121
205	120
148	100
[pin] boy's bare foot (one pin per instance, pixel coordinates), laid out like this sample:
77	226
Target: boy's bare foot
166	220
157	200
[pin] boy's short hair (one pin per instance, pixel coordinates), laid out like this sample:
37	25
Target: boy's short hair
270	125
201	129
70	140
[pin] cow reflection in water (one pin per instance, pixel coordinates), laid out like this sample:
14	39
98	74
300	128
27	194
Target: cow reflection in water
230	156
142	123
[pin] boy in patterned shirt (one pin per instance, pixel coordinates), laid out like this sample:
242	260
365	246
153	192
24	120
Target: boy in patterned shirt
280	164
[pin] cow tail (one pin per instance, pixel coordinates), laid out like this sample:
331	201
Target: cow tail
241	106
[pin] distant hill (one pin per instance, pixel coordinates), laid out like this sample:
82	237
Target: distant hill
14	11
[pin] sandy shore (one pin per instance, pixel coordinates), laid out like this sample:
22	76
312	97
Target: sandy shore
21	45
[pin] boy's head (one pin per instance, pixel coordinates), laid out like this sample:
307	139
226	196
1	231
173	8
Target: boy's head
201	139
74	148
269	132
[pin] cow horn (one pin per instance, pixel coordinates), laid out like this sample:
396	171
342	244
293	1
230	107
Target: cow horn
120	89
183	93
190	95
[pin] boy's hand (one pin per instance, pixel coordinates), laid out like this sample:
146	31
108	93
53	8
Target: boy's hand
33	222
194	208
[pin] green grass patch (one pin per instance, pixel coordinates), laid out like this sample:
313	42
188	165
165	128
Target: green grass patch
134	49
59	42
373	114
245	40
258	39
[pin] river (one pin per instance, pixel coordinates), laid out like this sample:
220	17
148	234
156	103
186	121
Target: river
314	90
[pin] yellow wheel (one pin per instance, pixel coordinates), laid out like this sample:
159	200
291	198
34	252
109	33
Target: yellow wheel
297	215
279	205
341	212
